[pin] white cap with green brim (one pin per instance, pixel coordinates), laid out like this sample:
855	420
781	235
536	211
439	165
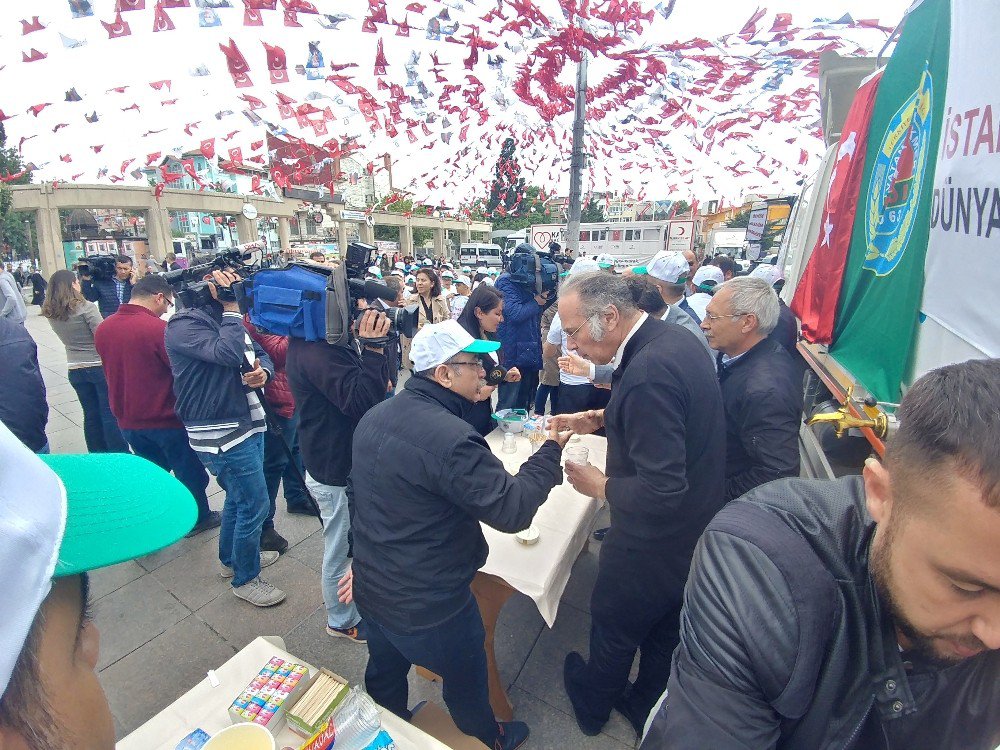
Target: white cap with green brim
435	344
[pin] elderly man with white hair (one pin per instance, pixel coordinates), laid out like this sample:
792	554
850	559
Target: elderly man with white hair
664	482
761	385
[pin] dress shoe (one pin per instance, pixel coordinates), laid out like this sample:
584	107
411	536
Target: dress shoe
573	669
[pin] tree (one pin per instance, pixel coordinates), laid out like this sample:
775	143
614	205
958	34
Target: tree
740	221
592	212
13	237
507	192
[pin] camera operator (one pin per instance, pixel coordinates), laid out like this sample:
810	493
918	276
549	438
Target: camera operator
217	400
109	290
334	386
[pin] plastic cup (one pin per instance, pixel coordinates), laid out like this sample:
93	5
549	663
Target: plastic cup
241	737
509	443
576	454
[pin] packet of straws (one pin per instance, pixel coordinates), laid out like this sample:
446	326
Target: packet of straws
317	704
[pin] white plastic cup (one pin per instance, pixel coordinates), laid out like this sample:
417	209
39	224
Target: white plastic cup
576	454
509	443
241	737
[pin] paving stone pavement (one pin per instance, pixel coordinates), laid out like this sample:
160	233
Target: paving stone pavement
167	618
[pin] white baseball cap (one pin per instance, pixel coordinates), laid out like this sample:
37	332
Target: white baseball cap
671	267
463	279
466	269
447	275
396	272
374	271
427	262
400	265
707	277
583	265
62	515
482	269
767	272
606	260
435	344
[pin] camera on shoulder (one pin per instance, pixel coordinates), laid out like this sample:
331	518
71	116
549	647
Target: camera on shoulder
534	270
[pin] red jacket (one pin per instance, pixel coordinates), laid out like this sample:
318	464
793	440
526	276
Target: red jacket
140	384
276	392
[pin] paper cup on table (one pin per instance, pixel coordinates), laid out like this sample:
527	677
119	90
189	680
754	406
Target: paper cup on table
576	454
529	536
241	737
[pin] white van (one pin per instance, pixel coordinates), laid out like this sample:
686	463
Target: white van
480	254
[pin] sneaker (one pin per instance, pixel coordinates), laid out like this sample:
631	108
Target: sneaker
510	735
259	593
300	509
266	558
272	541
211	520
357	634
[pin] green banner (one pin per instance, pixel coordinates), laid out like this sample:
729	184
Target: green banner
884	278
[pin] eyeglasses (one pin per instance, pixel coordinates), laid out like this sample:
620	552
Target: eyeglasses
168	300
721	317
474	363
577	329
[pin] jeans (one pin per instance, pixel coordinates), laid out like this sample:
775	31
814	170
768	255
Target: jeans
277	467
452	649
169	449
100	429
577	398
519	395
240	471
548	393
336	518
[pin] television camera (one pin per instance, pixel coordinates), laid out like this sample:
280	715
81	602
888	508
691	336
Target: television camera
191	289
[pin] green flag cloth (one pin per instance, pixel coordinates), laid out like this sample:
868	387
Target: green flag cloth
884	278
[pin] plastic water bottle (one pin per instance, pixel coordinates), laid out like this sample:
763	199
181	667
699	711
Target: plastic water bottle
509	443
357	721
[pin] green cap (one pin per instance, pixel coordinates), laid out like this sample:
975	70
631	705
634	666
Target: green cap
482	346
118	507
639	270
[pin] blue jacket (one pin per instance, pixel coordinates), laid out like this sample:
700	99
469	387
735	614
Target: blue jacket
104	293
520	333
23	409
207	352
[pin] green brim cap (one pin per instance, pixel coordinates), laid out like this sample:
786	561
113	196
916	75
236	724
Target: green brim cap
641	270
119	507
482	346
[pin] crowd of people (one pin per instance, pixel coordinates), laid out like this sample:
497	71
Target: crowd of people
766	610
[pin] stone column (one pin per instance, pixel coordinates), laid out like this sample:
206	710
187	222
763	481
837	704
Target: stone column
466	235
406	239
439	248
342	238
51	257
246	229
367	233
158	231
284	235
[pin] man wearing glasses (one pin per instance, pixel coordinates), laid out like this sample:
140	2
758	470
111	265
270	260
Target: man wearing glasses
664	482
140	388
423	481
761	385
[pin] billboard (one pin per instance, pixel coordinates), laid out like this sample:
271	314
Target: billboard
757	223
681	236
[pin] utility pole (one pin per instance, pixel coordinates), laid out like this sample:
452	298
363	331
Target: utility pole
578	160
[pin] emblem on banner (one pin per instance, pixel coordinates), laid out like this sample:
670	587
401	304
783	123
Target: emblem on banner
897	177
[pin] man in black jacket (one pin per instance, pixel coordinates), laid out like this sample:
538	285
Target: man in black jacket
761	386
424	479
664	482
110	293
23	407
861	613
333	387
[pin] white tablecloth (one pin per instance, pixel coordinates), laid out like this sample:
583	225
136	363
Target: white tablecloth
206	707
564	522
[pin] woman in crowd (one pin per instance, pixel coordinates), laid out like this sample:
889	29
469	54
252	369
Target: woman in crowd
481	317
74	321
431	306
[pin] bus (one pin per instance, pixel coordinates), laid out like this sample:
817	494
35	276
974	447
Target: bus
631	243
475	254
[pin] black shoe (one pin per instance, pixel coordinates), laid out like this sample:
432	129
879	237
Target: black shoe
211	520
599	534
300	509
573	669
624	706
511	735
272	541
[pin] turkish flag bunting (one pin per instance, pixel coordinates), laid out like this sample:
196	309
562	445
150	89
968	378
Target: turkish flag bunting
117	28
123	6
816	296
276	63
208	148
236	156
161	21
237	64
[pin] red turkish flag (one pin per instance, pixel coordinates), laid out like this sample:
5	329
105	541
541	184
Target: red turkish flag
276	63
238	67
236	156
150	158
252	15
123	6
29	26
380	61
255	184
175	3
161	21
117	28
815	300
208	148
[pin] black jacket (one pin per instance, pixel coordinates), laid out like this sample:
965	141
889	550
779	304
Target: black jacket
786	644
762	393
333	387
105	294
207	351
23	408
666	443
423	480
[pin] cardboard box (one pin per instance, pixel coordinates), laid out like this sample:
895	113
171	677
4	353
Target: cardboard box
434	720
266	698
296	722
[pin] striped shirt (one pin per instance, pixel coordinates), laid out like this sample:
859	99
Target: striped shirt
219	438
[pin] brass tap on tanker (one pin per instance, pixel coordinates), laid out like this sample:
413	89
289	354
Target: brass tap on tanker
843	420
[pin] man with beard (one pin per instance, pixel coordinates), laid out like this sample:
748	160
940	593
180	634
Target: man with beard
862	612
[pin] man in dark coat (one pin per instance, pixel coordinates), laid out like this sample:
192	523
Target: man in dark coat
110	293
860	613
761	386
424	479
23	407
664	482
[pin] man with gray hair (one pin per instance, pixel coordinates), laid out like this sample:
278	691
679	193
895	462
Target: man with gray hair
664	482
761	386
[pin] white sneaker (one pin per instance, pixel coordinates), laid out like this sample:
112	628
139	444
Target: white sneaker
259	593
266	558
